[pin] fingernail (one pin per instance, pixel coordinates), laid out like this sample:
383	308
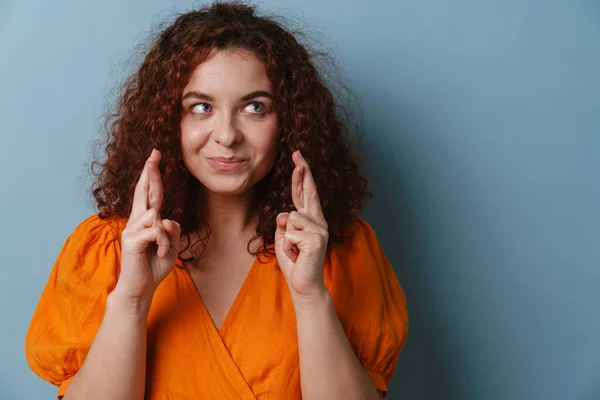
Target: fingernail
151	154
300	154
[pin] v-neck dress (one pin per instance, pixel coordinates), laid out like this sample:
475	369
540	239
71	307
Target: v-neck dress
254	354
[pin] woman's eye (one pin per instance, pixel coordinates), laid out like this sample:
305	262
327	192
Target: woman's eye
201	108
255	108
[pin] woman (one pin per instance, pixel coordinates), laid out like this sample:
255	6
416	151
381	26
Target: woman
278	290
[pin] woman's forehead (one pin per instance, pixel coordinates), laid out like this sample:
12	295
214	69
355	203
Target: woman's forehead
229	72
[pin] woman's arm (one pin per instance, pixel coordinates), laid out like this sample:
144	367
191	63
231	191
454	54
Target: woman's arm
329	369
115	366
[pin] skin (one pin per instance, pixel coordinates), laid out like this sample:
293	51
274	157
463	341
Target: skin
229	111
226	124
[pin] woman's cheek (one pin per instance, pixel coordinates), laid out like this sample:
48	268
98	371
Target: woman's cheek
194	133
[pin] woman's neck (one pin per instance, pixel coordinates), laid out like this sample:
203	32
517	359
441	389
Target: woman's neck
230	217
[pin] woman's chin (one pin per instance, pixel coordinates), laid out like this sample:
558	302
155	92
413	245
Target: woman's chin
226	189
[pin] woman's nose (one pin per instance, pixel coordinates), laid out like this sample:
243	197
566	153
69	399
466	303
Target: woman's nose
227	132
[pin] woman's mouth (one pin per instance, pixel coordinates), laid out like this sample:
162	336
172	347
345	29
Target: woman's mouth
226	164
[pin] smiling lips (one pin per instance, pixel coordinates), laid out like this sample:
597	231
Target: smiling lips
226	164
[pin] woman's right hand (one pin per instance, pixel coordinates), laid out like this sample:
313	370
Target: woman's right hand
149	244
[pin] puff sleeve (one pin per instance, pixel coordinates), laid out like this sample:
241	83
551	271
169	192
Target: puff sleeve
369	302
72	304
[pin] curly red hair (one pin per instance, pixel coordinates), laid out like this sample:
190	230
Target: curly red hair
149	109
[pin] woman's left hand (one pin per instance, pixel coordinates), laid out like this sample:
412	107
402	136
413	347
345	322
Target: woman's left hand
301	236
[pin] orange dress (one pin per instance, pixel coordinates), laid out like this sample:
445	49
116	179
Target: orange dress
254	355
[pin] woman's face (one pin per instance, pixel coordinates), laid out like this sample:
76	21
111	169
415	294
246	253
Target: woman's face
229	125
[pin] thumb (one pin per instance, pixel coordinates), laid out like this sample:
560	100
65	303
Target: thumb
281	242
281	220
173	230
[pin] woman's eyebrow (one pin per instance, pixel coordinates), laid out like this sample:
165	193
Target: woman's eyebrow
197	95
249	96
257	93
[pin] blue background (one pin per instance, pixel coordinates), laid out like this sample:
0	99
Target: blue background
482	125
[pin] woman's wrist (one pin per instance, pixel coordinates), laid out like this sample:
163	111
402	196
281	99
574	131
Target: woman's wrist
120	302
315	301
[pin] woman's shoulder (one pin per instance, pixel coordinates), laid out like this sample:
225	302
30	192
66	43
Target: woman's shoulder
98	226
359	267
91	250
357	236
358	259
